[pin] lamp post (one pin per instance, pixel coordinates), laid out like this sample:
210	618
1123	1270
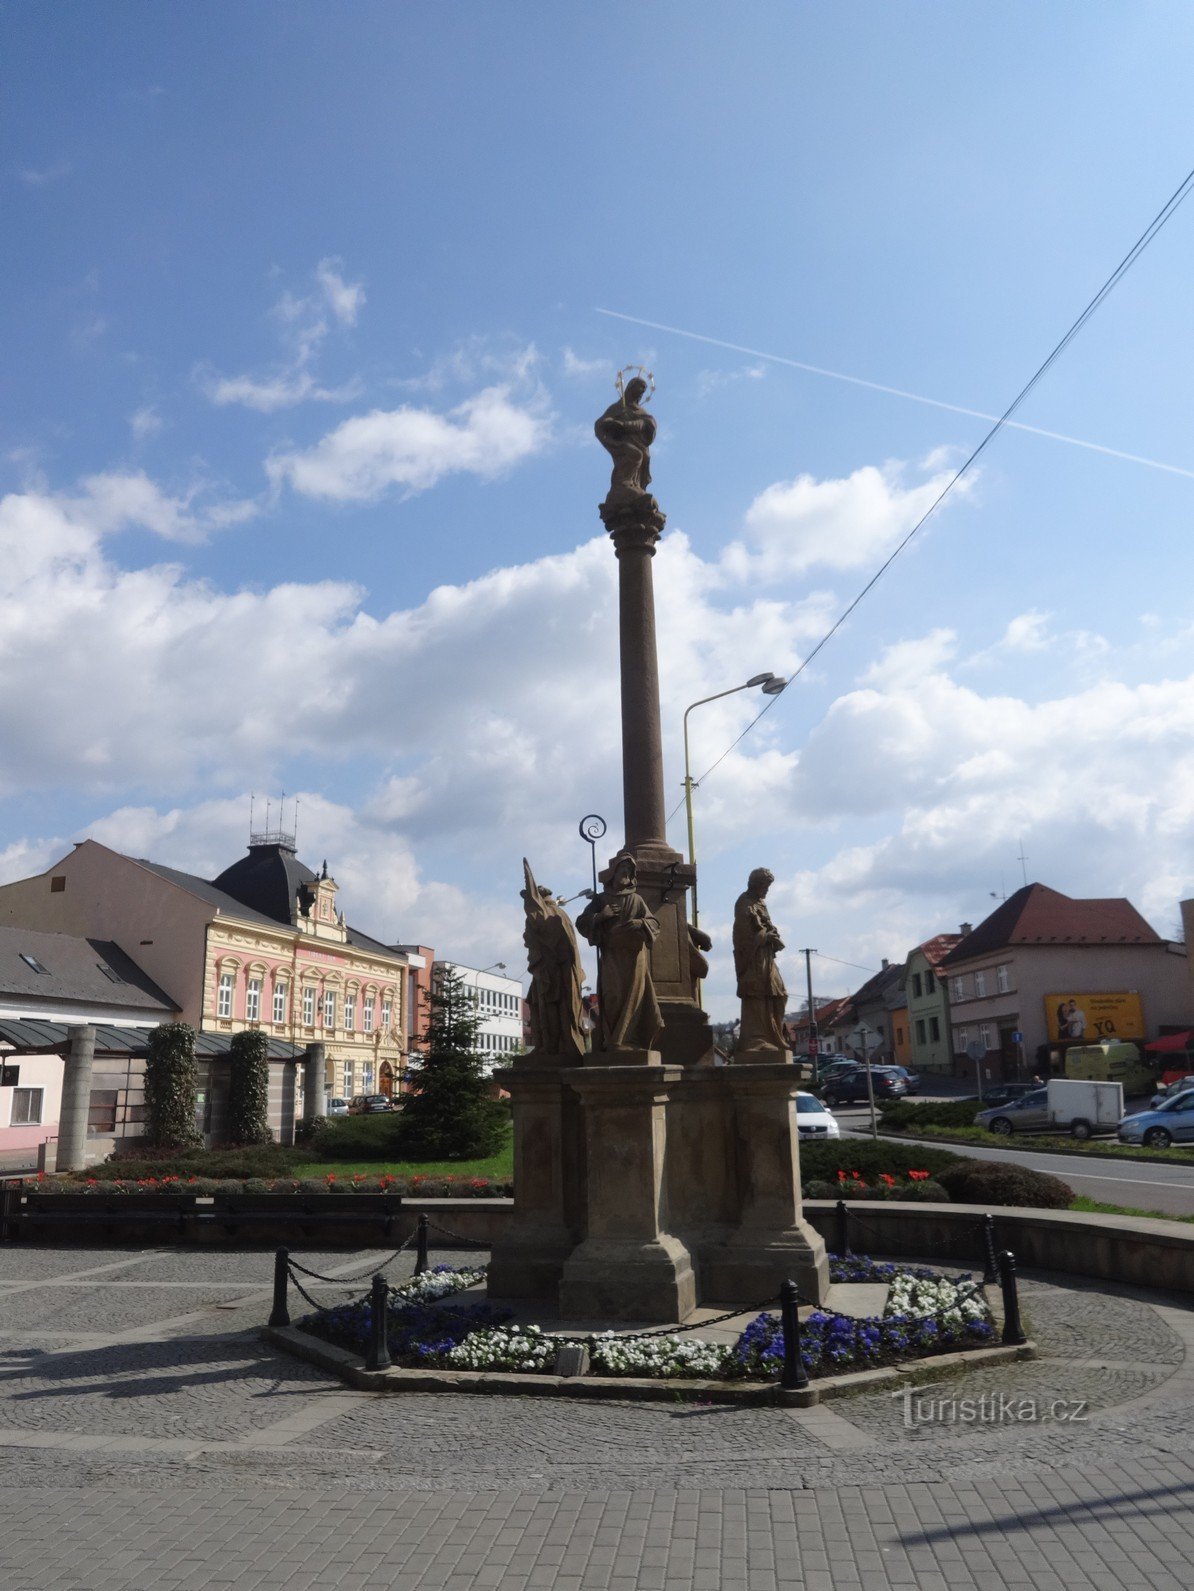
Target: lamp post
770	685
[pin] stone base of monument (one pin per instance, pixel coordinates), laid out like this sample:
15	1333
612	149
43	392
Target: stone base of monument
621	1279
753	1266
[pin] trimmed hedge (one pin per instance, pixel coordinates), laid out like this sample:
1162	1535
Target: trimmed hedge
907	1115
821	1162
171	1087
263	1160
998	1182
357	1137
248	1088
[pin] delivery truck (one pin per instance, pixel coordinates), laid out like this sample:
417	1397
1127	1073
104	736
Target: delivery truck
1081	1108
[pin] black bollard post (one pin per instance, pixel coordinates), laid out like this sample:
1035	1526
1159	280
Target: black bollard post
10	1199
795	1376
378	1355
990	1263
421	1249
1013	1331
280	1313
843	1229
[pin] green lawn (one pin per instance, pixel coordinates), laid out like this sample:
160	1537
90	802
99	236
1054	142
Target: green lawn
498	1168
1093	1207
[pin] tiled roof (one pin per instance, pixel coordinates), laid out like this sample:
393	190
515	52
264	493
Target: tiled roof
935	950
1037	915
73	969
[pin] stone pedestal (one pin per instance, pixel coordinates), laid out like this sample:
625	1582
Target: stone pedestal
771	1242
629	1266
548	1175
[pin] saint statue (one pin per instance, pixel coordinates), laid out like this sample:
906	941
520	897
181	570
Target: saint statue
626	432
553	960
621	925
760	987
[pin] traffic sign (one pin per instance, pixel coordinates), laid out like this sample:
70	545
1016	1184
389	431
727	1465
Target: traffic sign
1017	1037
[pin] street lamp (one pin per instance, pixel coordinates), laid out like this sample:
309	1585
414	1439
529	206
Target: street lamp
770	685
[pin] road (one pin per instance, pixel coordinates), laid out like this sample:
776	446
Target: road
1143	1185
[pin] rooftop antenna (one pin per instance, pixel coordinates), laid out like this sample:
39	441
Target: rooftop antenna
252	798
267	807
1022	859
295	823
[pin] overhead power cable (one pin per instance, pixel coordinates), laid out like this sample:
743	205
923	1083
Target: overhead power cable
1142	242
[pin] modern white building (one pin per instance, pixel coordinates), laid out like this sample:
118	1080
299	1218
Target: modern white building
499	1006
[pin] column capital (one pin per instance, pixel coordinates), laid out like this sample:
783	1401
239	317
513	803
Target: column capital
633	526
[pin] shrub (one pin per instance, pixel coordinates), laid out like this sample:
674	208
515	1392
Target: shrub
171	1087
998	1182
248	1088
823	1161
356	1138
909	1115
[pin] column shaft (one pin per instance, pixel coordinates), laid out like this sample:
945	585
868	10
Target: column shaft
642	741
76	1099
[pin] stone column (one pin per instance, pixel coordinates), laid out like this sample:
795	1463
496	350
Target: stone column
772	1242
629	1266
634	533
315	1066
76	1099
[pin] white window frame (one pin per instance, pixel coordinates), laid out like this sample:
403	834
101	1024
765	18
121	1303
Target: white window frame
370	1007
350	1013
329	1008
1003	981
963	1040
957	989
986	1035
28	1119
980	985
309	1005
253	1000
387	1012
349	1078
281	990
225	990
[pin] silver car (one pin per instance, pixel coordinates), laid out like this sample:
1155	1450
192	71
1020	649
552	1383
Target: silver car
1029	1113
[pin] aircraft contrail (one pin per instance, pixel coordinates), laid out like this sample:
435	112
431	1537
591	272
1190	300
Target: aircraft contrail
896	392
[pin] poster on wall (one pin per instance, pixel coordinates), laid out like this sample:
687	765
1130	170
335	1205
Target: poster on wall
1088	1018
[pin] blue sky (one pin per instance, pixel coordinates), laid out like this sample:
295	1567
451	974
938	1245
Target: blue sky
303	332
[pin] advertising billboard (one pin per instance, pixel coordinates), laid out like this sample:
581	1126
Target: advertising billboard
1086	1018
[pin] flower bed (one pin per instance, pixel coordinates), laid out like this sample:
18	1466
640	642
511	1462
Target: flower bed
925	1314
883	1185
208	1187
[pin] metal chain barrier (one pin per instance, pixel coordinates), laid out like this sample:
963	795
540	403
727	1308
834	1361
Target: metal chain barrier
469	1242
373	1270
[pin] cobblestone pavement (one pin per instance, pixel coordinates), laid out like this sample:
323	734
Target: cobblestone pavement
149	1439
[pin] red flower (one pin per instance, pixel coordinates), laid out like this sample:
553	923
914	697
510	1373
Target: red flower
886	1177
918	1176
841	1176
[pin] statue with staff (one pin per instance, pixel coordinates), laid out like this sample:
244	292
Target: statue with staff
553	961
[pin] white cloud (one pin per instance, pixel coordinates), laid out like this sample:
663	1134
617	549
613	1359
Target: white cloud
709	381
574	365
145	422
303	319
343	298
42	176
281	391
414	448
853	523
1027	632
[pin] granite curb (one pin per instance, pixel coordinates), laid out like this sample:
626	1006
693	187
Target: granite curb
348	1367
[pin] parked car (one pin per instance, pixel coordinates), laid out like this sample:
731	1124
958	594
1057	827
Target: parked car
337	1107
813	1120
849	1088
833	1065
1170	1123
1178	1086
1079	1107
911	1079
1004	1093
368	1104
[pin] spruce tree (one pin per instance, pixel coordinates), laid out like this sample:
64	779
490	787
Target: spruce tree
449	1115
248	1088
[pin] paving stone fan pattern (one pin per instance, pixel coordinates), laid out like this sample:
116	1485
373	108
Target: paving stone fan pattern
150	1439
